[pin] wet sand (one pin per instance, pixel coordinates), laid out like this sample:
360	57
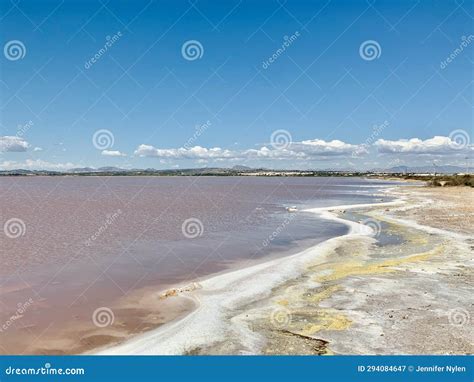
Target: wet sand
399	283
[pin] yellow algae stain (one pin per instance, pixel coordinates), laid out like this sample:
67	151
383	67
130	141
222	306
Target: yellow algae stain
324	294
327	320
413	258
283	302
416	238
343	270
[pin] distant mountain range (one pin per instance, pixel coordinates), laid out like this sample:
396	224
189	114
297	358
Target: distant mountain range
100	169
236	170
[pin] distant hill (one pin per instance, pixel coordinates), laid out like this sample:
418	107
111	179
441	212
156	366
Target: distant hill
81	169
241	168
111	169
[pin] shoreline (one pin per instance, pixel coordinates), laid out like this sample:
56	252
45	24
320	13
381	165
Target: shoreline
200	292
140	310
405	297
267	316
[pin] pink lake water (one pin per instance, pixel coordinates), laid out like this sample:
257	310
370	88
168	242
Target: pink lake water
80	243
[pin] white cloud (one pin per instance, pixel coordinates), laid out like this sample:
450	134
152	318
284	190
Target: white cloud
37	149
37	164
334	147
13	144
305	150
437	145
113	153
196	152
309	149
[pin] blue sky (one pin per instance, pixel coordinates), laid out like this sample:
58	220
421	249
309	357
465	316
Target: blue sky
268	83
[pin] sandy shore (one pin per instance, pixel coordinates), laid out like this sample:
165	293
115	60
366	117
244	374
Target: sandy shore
400	282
